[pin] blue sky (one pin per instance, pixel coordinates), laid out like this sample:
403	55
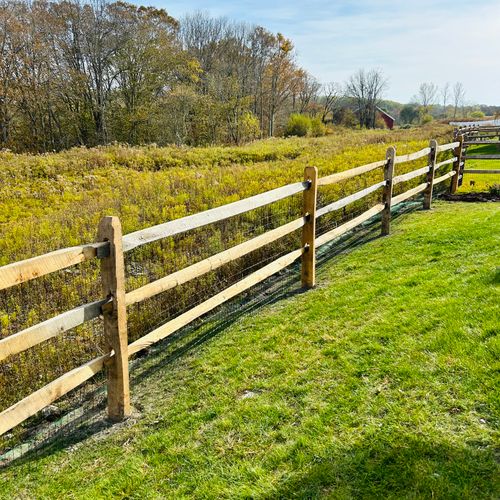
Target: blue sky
410	40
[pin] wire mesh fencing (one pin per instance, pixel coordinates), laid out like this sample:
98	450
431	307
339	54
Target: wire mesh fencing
81	411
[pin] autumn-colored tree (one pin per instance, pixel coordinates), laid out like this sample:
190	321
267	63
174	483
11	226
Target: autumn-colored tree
87	72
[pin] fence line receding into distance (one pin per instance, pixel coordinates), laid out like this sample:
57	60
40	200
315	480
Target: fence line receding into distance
112	245
477	135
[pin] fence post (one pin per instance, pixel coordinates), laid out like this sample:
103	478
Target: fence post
309	229
115	319
457	165
430	175
387	194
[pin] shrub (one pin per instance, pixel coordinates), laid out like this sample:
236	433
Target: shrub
427	118
298	125
494	190
477	114
409	114
249	127
318	128
348	118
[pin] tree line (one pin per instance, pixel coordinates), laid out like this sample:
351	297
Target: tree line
74	73
92	72
447	102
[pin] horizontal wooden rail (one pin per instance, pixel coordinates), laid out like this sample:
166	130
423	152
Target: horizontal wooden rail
468	128
150	234
20	272
480	171
184	319
410	175
481	136
445	162
211	263
482	157
34	335
336	205
25	270
476	142
450	174
412	156
408	194
484	130
348	174
446	147
340	230
38	400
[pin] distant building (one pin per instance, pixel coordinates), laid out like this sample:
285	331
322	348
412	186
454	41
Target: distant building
388	119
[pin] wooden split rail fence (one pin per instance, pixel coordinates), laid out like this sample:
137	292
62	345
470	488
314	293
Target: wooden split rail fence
111	246
477	136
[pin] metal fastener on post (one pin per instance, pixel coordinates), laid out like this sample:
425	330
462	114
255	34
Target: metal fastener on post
308	273
115	319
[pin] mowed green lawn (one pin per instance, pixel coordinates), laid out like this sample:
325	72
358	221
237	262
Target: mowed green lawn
380	383
481	182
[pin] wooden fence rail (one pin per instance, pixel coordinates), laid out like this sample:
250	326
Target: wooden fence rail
475	136
112	244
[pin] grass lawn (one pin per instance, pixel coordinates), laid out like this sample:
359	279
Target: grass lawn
482	181
380	383
56	200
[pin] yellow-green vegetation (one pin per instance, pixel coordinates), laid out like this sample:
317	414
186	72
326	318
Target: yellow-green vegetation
59	197
478	183
380	383
51	201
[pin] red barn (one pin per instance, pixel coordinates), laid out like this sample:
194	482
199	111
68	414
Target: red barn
388	119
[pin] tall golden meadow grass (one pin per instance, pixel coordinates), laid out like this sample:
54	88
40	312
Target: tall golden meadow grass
51	201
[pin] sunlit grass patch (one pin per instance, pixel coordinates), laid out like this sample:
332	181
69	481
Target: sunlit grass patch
380	383
481	182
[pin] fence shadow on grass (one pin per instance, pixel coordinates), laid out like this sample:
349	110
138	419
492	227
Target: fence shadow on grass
54	437
396	467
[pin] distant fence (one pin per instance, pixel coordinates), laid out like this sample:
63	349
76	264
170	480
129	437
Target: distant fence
112	245
477	123
477	135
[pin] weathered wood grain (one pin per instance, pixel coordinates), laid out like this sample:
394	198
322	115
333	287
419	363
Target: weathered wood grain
412	156
308	268
336	205
25	270
348	174
184	319
482	157
433	145
458	165
449	175
410	175
211	263
480	171
115	318
387	194
445	162
408	194
148	235
340	230
446	147
19	342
